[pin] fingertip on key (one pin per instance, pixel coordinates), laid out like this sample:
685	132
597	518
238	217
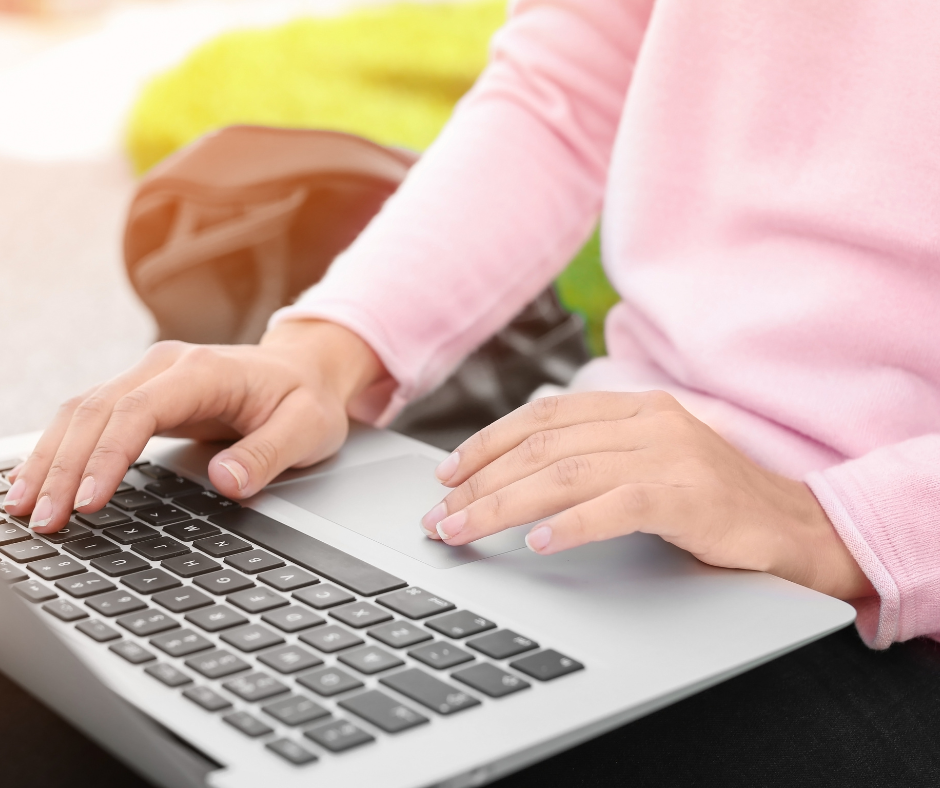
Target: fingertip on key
538	538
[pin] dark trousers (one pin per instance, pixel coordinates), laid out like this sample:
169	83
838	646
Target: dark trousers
830	714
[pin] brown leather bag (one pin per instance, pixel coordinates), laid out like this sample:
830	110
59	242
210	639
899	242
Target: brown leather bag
236	225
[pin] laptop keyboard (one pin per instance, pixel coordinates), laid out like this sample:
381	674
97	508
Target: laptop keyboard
294	643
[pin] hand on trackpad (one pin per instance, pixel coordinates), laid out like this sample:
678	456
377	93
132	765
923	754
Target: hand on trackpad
385	501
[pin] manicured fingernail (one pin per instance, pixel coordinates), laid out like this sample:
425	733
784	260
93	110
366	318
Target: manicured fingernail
448	468
42	514
451	526
239	474
86	492
538	538
427	533
431	519
15	493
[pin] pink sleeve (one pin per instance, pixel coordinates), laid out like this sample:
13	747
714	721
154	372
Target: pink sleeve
497	205
886	507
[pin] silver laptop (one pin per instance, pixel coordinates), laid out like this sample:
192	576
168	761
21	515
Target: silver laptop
313	635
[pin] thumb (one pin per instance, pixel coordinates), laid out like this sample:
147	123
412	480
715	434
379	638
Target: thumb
295	435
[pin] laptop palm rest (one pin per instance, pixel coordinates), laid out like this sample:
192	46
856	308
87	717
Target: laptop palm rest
385	501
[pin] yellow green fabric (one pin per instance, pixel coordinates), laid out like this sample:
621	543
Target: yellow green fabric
390	73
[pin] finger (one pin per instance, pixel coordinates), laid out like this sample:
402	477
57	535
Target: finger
543	414
564	484
539	451
628	508
298	433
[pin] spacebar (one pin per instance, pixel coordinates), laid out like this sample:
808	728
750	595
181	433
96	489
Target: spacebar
308	552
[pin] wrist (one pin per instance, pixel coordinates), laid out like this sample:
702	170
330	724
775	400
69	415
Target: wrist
342	360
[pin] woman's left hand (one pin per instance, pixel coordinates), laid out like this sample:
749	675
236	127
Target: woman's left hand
603	464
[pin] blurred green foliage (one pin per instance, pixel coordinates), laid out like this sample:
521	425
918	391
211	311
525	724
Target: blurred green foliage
583	287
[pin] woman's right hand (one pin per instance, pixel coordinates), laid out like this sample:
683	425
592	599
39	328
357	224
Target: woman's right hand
285	398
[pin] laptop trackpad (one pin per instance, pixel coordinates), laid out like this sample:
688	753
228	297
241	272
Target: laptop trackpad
385	501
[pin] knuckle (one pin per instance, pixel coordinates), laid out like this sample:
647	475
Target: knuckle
72	404
133	402
659	400
166	349
634	500
198	355
494	505
544	409
92	408
538	447
570	471
108	451
264	455
475	486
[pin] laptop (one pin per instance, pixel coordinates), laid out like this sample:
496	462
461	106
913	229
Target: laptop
313	635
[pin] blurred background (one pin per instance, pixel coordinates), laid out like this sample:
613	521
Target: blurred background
94	92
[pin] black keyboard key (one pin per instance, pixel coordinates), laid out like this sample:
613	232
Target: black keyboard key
154	471
216	664
150	581
461	624
290	578
254	637
382	711
415	603
98	631
65	610
546	665
58	567
204	503
254	561
291	752
329	681
207	698
216	618
131	652
160	549
191	565
330	639
291	619
323	596
319	557
147	622
182	600
191	529
86	549
104	517
115	603
168	675
11	573
360	614
162	515
134	499
502	644
172	486
181	643
370	659
429	691
10	534
290	659
131	533
256	600
34	591
220	546
295	710
87	584
399	634
124	487
255	687
120	564
30	550
440	656
69	533
490	680
226	581
338	735
250	726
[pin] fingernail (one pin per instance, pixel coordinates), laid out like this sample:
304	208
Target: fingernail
448	468
86	492
15	471
451	526
15	493
427	533
42	514
238	472
432	518
538	538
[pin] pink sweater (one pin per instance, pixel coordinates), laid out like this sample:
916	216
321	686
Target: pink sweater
770	180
